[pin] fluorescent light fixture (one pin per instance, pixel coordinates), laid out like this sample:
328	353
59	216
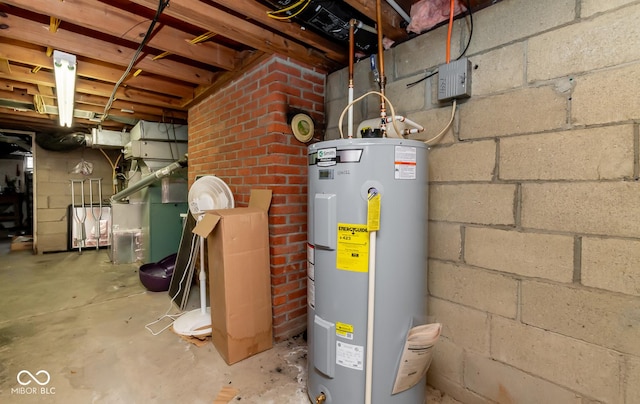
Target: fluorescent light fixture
64	67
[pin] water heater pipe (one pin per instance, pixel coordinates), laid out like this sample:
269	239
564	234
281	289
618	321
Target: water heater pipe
149	179
399	10
352	23
370	316
383	79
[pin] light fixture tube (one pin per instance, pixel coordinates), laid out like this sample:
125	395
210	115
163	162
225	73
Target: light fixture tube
64	67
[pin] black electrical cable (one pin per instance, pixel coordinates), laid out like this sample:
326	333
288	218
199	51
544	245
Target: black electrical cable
162	4
470	30
433	73
461	55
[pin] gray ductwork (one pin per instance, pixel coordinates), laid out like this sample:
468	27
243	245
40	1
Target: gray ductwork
149	179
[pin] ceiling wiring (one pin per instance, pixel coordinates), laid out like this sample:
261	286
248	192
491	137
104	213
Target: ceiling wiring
162	4
464	51
272	14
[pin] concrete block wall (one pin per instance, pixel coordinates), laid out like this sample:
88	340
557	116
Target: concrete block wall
241	135
52	192
534	238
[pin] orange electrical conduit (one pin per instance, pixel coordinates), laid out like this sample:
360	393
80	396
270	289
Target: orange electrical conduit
451	10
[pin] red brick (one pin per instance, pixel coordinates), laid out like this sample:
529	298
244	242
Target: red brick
239	134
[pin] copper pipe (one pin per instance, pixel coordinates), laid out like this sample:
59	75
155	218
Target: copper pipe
352	24
383	109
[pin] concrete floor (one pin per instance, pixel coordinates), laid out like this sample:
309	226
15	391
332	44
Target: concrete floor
82	320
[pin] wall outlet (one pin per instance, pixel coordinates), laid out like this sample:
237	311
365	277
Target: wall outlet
454	80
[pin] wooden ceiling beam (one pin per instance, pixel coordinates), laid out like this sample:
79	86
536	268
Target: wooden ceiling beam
258	12
390	18
211	19
99	101
8	84
114	112
22	29
17	96
24	75
86	68
116	22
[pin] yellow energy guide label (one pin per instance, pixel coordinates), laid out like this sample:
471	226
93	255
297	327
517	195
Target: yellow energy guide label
353	247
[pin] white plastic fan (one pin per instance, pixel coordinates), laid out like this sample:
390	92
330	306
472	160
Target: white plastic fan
206	193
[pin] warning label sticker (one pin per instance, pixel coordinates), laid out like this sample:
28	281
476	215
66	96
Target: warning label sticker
350	356
344	330
405	163
353	247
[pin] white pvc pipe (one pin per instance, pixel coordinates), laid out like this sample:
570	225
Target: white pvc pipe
370	316
203	280
366	27
350	114
399	10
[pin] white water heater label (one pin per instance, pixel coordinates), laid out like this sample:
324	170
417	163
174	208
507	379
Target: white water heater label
349	355
327	157
311	293
311	276
405	163
311	261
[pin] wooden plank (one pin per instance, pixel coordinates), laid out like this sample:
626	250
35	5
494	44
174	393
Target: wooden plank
23	74
211	19
22	29
4	66
47	94
88	68
116	112
258	12
10	85
116	22
131	106
390	18
16	95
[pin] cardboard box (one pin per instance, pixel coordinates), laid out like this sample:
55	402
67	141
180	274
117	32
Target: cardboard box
239	277
21	243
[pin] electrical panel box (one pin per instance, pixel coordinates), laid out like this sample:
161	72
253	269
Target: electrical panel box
454	80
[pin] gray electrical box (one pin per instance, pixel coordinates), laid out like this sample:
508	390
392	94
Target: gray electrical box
454	80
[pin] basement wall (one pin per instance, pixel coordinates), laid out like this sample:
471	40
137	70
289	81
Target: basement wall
534	241
52	193
241	135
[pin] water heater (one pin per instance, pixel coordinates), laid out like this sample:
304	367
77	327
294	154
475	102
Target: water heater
344	177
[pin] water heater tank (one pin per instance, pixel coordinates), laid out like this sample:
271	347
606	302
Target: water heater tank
343	174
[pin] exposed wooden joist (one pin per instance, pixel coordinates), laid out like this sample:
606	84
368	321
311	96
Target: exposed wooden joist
99	101
26	30
4	65
47	94
200	14
7	84
258	12
89	69
23	74
391	21
17	96
120	24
